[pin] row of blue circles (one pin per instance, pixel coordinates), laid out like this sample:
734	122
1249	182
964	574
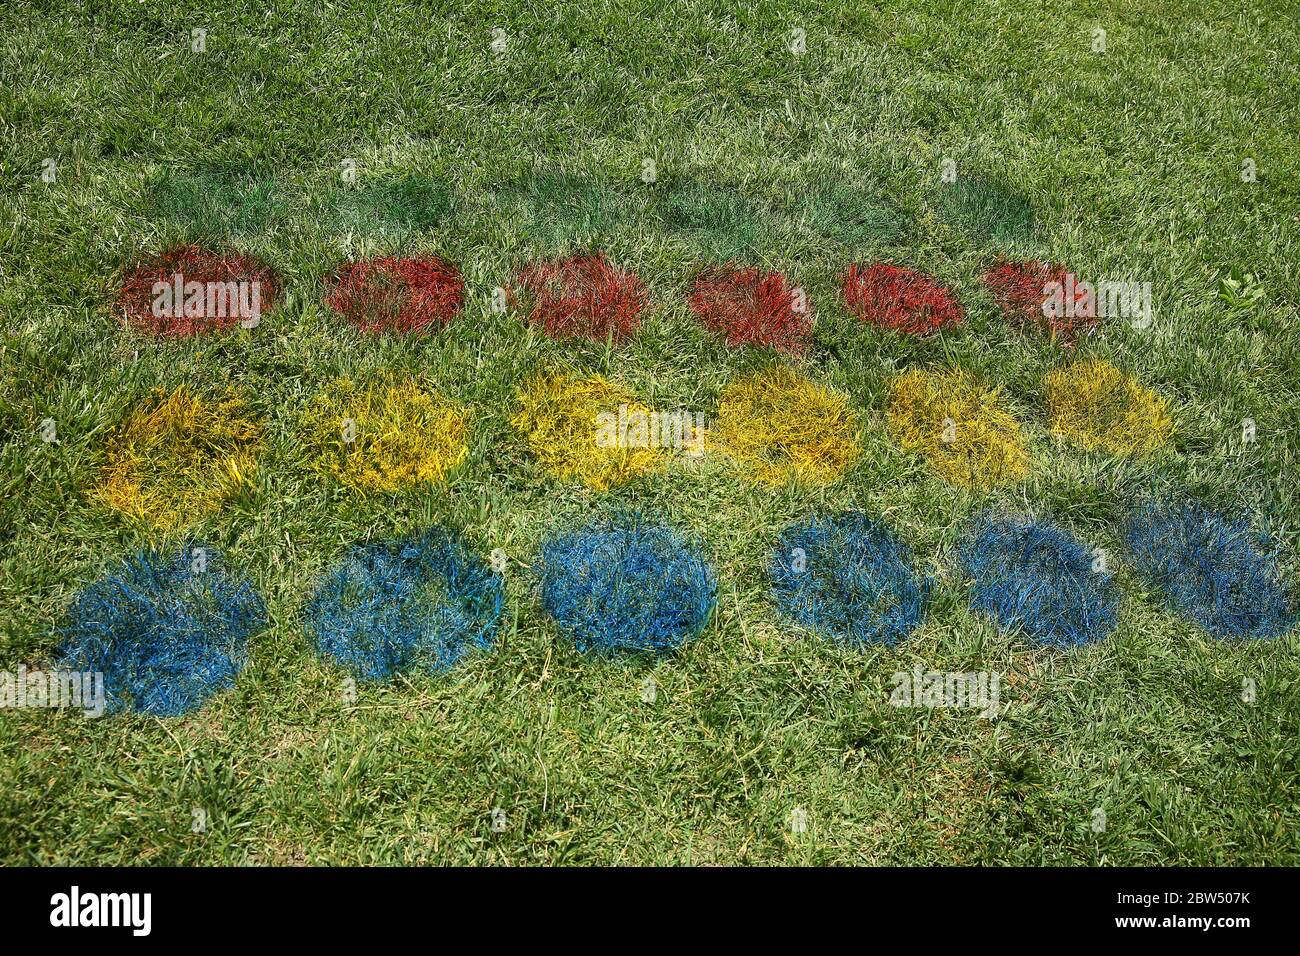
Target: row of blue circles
168	630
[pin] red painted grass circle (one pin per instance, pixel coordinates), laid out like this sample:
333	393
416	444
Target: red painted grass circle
747	306
1020	290
190	290
390	294
583	296
902	299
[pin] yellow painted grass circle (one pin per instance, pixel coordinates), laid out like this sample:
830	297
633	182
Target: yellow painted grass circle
961	428
559	419
783	427
177	457
384	436
1094	404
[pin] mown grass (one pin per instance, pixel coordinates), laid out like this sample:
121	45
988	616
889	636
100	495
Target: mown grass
1122	165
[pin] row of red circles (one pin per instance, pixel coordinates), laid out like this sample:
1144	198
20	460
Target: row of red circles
587	296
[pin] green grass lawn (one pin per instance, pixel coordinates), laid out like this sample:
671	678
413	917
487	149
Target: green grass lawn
1123	164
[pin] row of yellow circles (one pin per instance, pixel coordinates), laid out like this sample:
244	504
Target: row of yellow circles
180	456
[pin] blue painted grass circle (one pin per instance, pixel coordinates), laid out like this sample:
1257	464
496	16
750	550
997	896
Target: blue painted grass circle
422	602
1212	569
1037	578
626	586
847	578
167	630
